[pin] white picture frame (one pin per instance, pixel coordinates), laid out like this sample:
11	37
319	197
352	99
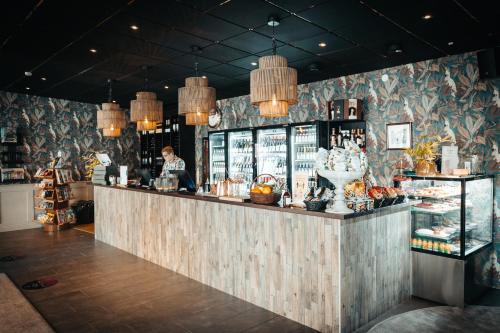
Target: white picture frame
399	136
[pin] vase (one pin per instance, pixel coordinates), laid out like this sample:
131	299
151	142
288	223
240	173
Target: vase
425	168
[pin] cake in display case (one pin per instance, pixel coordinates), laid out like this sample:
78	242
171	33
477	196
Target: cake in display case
450	226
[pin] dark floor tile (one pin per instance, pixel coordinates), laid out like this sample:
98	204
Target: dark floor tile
104	289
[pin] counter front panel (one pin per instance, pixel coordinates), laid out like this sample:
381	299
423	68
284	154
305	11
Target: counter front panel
330	274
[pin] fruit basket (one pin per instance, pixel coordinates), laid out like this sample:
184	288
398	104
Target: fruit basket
265	193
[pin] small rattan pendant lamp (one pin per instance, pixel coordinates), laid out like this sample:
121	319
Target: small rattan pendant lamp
111	119
146	110
196	99
273	86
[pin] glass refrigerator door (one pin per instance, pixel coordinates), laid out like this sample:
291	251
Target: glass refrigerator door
241	156
303	155
271	153
217	157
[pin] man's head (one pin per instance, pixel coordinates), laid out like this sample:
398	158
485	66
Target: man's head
168	153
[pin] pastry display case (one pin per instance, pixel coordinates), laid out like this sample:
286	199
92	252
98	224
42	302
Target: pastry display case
450	227
455	217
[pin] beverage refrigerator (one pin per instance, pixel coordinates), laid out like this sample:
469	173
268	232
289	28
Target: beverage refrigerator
271	153
217	156
305	139
241	155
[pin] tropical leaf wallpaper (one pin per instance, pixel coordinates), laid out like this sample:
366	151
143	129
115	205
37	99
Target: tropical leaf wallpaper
441	96
50	125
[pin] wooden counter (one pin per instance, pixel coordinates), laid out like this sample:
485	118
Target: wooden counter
331	274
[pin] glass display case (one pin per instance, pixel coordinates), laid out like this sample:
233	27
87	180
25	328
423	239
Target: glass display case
455	217
271	152
303	143
241	155
217	156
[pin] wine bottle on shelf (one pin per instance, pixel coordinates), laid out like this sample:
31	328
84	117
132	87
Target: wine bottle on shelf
339	138
345	137
333	138
359	140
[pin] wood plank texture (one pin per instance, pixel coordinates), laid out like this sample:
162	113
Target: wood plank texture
285	262
376	266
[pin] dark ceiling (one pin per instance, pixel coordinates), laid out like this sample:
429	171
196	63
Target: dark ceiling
52	39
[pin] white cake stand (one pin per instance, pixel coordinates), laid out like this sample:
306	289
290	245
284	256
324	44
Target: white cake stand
339	179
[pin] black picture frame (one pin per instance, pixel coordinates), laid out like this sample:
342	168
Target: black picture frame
399	136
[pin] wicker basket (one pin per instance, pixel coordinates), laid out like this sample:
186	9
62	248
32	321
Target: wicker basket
262	198
316	206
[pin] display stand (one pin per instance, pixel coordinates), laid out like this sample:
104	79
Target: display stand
53	194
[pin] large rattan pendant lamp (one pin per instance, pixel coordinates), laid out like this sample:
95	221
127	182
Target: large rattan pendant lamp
196	99
111	119
146	110
273	86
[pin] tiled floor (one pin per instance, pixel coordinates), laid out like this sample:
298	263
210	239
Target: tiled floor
104	289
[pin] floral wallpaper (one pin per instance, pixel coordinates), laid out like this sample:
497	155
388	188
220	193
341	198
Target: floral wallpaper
50	125
440	96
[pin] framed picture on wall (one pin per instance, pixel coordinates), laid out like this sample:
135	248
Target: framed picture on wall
399	136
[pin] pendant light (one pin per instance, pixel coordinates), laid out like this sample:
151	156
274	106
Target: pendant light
111	119
146	110
196	99
273	86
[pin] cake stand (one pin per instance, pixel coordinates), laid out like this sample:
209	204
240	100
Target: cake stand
339	179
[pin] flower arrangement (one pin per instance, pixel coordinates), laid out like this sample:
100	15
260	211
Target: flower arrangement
427	150
425	153
91	162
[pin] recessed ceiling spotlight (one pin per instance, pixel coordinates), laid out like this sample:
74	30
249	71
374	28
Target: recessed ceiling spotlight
385	77
450	43
27	88
28	73
204	76
427	16
273	21
114	101
166	87
134	27
253	63
322	44
93	50
43	78
314	67
394	48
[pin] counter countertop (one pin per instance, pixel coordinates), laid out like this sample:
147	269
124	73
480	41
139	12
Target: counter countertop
188	195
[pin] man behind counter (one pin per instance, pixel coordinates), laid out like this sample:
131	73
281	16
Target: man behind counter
172	162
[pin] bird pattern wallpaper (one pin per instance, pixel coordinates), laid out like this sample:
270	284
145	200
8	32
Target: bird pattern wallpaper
49	125
440	97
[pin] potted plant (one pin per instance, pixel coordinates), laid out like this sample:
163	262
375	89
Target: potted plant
424	155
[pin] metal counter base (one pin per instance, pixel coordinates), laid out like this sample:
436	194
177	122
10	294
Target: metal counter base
445	280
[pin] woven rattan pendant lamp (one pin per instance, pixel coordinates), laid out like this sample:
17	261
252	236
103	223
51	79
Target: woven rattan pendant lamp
146	110
273	86
196	99
111	119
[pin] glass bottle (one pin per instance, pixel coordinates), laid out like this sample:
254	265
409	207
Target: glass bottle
286	198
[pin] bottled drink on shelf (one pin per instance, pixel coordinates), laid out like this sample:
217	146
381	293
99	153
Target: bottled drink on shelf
286	198
339	138
346	137
333	138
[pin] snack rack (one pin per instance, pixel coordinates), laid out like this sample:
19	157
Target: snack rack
52	197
